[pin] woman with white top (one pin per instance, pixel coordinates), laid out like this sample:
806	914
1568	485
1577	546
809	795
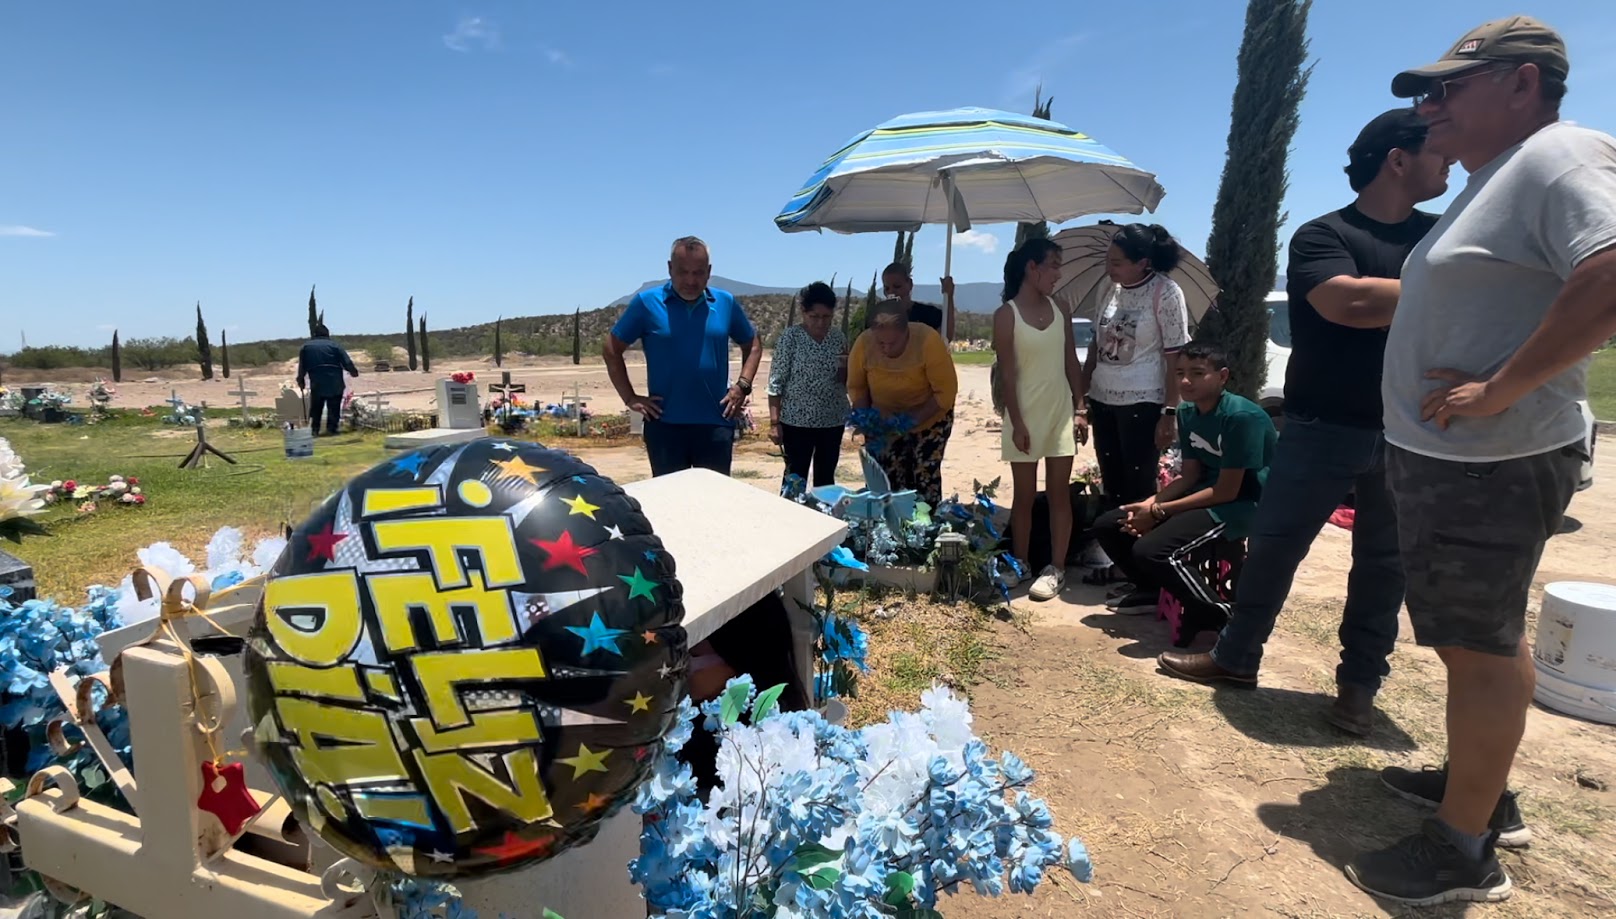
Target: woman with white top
1042	386
1133	385
808	388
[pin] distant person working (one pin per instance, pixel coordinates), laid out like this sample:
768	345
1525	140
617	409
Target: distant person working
320	364
691	405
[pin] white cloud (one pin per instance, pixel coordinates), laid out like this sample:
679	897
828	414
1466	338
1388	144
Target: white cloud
15	229
980	240
558	57
471	33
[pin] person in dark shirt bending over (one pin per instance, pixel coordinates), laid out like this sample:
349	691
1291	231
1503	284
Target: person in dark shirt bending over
1343	289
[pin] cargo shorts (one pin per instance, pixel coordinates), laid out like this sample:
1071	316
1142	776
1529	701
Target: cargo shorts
1471	536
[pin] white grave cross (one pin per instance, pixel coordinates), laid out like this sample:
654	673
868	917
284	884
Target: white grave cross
242	392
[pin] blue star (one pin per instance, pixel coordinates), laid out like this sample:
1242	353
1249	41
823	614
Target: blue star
597	637
410	463
650	555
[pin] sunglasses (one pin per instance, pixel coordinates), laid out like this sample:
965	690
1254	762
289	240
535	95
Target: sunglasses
1438	92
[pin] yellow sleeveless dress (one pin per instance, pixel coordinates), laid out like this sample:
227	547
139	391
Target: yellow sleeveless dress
1042	390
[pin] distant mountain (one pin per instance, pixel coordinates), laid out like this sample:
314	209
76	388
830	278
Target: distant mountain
975	297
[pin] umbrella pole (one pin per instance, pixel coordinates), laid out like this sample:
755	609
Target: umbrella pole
948	264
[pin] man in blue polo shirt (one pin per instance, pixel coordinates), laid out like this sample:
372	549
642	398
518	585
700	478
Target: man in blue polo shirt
686	327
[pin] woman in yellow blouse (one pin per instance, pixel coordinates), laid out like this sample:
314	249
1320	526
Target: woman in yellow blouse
900	367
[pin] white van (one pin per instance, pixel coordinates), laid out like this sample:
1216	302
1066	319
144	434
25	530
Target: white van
1272	397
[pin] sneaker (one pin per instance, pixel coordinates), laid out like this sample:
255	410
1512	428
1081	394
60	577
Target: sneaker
1426	869
1008	573
1426	786
1118	591
1051	581
1136	603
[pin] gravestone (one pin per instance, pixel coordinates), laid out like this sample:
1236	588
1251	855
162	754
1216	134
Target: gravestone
17	577
289	408
459	420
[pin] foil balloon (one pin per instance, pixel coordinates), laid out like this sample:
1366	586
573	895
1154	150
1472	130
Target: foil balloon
466	659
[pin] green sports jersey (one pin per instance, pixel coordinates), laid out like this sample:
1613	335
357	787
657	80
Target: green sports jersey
1236	434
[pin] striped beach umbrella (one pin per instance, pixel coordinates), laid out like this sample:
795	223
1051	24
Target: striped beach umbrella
964	166
968	165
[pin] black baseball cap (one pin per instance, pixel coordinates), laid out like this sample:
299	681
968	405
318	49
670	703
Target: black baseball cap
1398	129
1514	40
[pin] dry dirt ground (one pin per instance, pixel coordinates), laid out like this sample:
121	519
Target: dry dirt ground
1194	802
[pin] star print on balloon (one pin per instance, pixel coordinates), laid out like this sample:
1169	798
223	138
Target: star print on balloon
455	655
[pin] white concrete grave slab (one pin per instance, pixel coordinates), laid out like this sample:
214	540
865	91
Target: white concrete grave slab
732	543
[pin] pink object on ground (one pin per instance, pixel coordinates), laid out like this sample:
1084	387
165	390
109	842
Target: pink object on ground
1343	517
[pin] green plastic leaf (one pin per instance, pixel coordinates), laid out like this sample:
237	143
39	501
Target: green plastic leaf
766	701
919	914
551	914
900	884
811	856
734	703
823	879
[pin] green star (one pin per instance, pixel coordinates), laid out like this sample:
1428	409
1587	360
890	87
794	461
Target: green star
639	585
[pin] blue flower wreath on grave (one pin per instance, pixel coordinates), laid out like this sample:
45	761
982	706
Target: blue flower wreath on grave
814	819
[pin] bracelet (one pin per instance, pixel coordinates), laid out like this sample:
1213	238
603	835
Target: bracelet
1158	513
744	385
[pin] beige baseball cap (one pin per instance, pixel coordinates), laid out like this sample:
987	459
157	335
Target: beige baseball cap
1515	40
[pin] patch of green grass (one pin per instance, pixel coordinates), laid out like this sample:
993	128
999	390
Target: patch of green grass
1602	385
973	357
263	492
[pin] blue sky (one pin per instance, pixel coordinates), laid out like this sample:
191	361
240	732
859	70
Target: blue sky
517	158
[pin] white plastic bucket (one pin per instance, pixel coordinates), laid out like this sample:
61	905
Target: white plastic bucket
1575	650
299	443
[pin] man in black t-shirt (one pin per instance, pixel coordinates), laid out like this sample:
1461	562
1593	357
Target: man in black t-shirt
1343	285
897	284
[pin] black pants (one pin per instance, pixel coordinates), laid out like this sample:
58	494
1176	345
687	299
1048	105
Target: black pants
1159	560
820	448
1125	446
331	406
677	447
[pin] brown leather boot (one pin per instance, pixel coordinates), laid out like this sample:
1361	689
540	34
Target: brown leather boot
1353	710
1201	668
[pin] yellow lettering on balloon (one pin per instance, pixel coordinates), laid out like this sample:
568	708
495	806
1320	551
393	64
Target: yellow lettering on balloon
451	777
394	595
340	746
314	618
411	809
393	500
444	538
487	729
330	682
441	674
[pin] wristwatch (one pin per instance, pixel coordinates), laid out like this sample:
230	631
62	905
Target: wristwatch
1169	410
744	385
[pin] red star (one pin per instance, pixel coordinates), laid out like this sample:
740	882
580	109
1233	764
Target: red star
324	544
594	803
564	553
641	753
225	795
514	847
649	636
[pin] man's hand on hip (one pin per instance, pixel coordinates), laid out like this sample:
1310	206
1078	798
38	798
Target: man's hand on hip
649	406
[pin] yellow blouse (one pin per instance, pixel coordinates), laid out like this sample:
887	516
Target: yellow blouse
903	384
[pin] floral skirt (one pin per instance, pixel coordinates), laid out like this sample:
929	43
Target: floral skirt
915	460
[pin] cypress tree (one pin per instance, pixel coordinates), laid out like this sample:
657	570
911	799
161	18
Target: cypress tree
903	249
224	353
577	336
426	351
314	317
499	349
409	331
847	313
1241	251
117	358
204	351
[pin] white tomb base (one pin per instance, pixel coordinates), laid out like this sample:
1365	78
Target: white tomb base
432	437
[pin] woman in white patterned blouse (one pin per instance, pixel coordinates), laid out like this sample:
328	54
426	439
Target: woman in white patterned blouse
808	388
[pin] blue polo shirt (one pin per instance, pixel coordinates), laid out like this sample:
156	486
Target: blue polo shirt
686	349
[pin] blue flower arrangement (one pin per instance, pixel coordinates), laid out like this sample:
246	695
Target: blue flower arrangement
879	430
815	820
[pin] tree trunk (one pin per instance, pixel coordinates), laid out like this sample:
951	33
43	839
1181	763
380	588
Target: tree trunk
117	358
1241	250
409	331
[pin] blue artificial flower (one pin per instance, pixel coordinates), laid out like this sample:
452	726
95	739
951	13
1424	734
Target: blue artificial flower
1078	862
